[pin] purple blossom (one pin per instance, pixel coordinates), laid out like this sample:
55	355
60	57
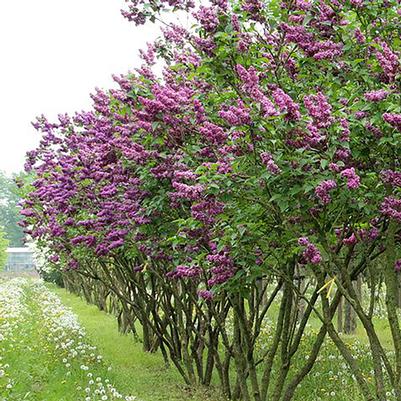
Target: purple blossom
267	160
207	16
376	96
54	258
235	23
286	105
311	254
206	211
319	50
236	115
27	212
391	177
319	109
388	60
189	192
322	190
345	132
116	244
184	271
353	180
377	132
254	8
207	295
148	55
351	240
393	119
213	133
199	111
397	265
359	36
73	264
174	33
223	267
391	207
206	45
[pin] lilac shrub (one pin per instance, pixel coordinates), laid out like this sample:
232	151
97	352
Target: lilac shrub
267	154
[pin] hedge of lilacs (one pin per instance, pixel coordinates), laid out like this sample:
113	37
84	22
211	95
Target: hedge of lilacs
262	164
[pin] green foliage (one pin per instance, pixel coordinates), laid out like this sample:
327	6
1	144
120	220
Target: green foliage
3	249
9	210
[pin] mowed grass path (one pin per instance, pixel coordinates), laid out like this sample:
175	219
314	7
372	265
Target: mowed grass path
132	370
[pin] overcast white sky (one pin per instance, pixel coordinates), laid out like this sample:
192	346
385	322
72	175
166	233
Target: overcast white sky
53	53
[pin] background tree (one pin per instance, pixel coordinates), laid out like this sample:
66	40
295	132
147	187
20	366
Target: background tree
9	210
3	248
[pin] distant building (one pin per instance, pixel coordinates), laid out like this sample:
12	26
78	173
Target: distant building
19	259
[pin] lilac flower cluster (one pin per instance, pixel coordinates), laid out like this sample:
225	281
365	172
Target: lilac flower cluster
223	267
137	13
187	192
311	254
345	131
250	80
207	16
213	133
351	240
286	105
359	36
207	295
393	119
323	189
376	96
254	8
267	160
184	271
377	132
319	109
388	61
391	177
391	207
206	210
236	115
319	50
353	180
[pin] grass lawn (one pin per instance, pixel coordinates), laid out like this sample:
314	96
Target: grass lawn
133	370
36	366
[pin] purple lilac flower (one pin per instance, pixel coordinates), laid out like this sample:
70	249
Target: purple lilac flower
223	267
391	177
351	240
376	96
54	258
319	109
388	60
353	180
236	115
359	115
207	17
206	211
207	295
345	131
286	105
377	132
184	271
322	190
311	254
267	160
213	133
359	36
391	207
393	119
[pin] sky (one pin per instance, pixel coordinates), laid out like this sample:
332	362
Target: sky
53	53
